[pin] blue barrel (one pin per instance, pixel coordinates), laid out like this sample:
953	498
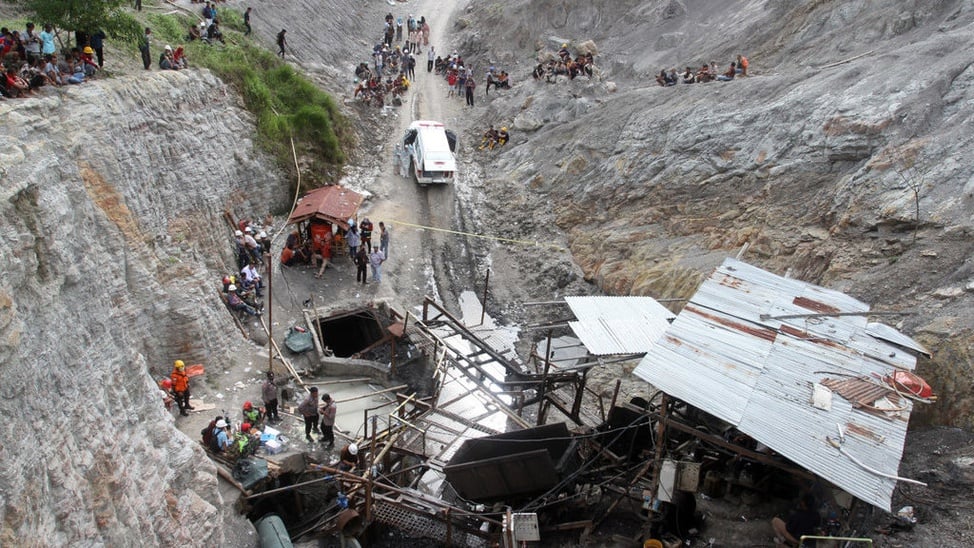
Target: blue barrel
272	532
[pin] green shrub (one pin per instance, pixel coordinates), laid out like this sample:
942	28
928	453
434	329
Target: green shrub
286	104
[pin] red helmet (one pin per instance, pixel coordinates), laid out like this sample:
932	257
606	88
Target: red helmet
166	384
226	280
248	406
245	427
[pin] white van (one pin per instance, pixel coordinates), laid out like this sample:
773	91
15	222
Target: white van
427	152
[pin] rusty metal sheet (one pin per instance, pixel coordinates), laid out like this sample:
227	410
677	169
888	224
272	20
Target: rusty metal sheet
738	352
333	204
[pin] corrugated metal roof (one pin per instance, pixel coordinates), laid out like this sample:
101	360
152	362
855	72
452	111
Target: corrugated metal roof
334	204
731	354
618	325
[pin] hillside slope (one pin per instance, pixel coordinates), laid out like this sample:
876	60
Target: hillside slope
812	160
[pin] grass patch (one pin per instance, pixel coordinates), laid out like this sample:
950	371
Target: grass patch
285	104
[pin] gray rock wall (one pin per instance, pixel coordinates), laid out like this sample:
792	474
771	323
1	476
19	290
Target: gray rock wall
113	244
812	160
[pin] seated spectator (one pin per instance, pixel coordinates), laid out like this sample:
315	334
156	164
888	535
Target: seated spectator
489	138
704	74
87	60
51	71
689	77
76	72
729	75
251	279
166	61
235	302
213	32
503	136
194	33
32	74
179	58
661	78
563	53
16	86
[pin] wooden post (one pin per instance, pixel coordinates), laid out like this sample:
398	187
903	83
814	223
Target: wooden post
270	310
615	394
544	381
660	443
449	528
483	304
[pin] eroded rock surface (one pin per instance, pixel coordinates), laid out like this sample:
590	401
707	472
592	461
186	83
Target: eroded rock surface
112	211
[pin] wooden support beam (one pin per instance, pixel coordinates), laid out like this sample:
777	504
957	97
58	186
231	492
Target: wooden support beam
744	452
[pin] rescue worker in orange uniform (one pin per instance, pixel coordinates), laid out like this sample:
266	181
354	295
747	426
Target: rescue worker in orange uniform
180	387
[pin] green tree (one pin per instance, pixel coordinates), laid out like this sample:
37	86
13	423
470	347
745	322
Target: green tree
85	15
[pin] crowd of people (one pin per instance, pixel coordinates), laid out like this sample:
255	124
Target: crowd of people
706	73
394	60
321	242
563	64
31	60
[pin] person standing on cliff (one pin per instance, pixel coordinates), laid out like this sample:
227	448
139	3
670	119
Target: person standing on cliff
247	22
144	48
281	42
180	387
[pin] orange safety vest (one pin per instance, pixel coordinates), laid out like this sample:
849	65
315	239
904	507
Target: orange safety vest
180	380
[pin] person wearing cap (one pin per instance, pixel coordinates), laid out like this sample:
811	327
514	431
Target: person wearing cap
265	242
166	60
349	458
328	412
268	393
88	61
235	302
253	248
180	387
309	410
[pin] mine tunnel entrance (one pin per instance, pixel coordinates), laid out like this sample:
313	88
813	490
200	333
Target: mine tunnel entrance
349	333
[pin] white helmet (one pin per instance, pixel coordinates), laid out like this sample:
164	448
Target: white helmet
221	423
232	288
353	449
238	233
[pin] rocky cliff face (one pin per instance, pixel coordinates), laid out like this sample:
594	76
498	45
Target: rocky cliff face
855	116
112	215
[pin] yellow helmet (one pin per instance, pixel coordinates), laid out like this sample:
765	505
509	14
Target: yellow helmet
504	129
179	364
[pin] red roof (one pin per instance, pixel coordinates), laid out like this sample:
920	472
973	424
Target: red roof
334	204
